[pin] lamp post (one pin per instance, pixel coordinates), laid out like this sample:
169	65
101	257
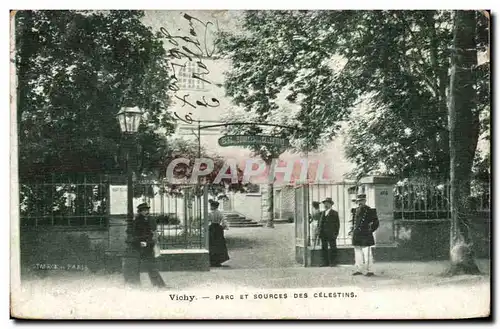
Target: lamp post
129	119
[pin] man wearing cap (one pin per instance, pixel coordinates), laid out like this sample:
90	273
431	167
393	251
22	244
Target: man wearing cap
364	223
144	243
329	226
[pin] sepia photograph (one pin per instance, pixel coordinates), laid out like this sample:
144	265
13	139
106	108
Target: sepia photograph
250	164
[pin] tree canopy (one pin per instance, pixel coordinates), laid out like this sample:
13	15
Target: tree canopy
76	69
174	148
327	63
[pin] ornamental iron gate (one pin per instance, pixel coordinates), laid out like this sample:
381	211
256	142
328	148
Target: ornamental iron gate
304	229
181	215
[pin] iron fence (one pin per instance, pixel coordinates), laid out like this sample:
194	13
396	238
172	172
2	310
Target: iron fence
84	201
74	201
179	213
430	200
422	207
414	201
340	194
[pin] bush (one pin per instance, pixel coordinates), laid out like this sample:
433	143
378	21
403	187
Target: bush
167	219
196	223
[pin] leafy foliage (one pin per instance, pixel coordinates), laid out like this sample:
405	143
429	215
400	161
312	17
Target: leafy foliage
324	64
265	152
75	70
277	53
175	148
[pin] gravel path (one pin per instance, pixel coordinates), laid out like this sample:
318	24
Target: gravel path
262	267
261	247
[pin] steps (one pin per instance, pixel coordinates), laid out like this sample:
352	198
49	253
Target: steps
281	221
237	220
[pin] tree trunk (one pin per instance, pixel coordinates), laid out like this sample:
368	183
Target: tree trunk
464	133
440	73
270	205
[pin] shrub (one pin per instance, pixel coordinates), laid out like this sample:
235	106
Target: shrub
167	219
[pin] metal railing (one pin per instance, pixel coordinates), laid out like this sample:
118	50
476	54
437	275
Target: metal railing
340	194
74	202
179	214
414	201
430	200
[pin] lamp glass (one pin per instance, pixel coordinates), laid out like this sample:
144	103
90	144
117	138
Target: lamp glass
129	119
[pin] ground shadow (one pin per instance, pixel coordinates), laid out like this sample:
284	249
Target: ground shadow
236	242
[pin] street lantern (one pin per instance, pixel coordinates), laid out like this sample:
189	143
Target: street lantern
129	119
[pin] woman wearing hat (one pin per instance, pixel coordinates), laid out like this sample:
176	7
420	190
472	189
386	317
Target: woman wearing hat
314	219
216	242
365	222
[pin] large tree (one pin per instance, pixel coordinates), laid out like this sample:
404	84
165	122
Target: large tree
328	62
266	153
75	70
464	125
397	62
274	57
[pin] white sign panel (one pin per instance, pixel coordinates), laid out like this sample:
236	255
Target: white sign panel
118	199
384	199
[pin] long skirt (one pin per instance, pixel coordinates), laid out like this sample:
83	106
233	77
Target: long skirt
217	245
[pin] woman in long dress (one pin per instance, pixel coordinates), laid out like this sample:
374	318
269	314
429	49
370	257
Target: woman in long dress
314	220
216	241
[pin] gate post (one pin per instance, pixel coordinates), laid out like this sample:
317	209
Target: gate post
379	195
205	215
301	224
305	226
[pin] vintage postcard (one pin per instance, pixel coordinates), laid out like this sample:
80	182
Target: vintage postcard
259	164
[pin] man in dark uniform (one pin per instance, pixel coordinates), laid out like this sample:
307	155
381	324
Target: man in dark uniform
144	243
329	226
364	223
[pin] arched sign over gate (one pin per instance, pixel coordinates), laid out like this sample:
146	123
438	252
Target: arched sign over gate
243	140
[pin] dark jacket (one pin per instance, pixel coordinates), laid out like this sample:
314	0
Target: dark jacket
143	231
329	225
365	222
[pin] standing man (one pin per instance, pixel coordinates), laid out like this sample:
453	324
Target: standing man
365	222
329	226
144	243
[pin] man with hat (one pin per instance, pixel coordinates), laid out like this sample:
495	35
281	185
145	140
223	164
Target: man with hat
364	223
329	226
144	242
